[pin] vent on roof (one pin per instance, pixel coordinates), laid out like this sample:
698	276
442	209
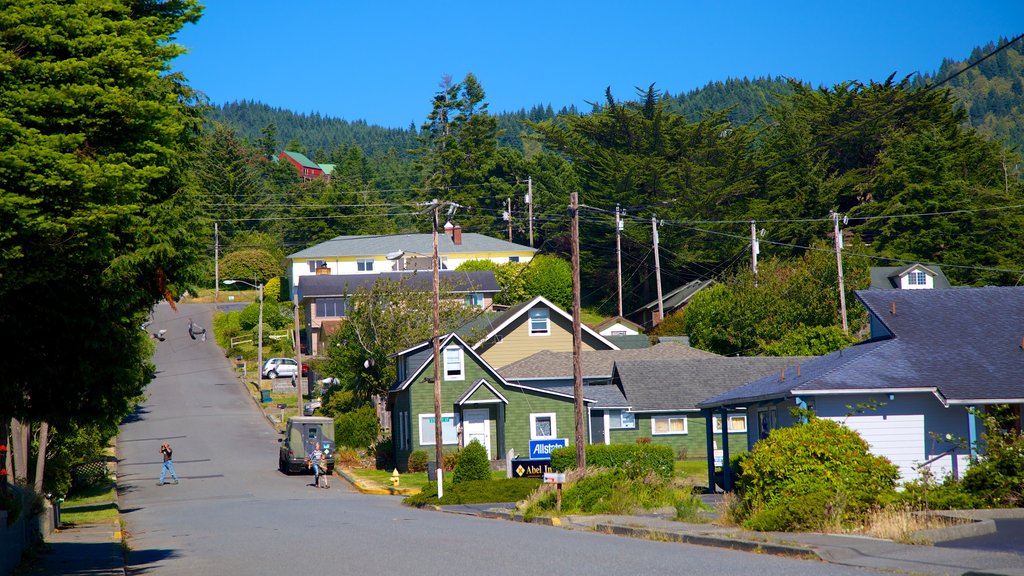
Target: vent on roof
782	375
893	308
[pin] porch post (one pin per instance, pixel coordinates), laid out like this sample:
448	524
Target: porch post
726	471
972	432
710	435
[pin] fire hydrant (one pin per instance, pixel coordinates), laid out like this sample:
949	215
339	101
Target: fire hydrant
394	478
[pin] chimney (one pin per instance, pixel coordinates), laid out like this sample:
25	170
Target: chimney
323	271
456	234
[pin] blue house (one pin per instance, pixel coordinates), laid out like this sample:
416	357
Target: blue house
936	360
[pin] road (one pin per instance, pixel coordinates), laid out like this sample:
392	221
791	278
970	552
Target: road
234	513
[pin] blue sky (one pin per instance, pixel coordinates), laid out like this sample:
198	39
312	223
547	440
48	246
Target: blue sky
382	61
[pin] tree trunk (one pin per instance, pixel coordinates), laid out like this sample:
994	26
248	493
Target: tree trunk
19	450
44	432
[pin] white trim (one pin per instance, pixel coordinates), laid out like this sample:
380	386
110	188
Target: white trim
669	419
554	426
716	425
545	301
487	428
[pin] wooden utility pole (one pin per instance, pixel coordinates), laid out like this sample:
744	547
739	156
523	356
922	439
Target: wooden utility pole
577	338
618	253
839	269
755	249
509	218
216	264
657	268
436	317
529	201
298	353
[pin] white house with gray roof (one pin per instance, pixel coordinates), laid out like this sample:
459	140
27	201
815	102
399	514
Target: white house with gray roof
398	252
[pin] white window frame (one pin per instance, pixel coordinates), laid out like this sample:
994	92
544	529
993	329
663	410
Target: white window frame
461	364
917	278
615	420
717	424
554	426
428	439
475	299
364	265
539	314
314	264
669	419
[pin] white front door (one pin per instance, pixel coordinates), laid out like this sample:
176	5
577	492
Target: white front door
475	426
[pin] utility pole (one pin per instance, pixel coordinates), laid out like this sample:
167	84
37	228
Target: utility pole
657	269
508	215
755	248
529	201
839	269
618	253
298	353
216	263
577	338
436	317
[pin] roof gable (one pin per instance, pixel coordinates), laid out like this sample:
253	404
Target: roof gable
597	363
481	392
505	319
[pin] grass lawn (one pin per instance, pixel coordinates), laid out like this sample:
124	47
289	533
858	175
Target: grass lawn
407	480
90	507
692	470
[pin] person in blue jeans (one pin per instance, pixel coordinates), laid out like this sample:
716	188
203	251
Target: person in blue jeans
165	450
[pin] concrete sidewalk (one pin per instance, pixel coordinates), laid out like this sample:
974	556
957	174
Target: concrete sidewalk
858	551
93	549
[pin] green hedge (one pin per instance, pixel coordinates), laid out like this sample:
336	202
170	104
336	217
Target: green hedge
635	460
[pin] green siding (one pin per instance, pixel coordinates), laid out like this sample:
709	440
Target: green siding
694	441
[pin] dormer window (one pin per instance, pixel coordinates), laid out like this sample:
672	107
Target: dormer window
917	278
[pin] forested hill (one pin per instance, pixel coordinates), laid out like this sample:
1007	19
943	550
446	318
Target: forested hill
992	93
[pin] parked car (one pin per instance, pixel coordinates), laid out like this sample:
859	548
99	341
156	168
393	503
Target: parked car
282	367
300	435
311	407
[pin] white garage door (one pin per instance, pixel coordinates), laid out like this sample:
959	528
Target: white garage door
898	438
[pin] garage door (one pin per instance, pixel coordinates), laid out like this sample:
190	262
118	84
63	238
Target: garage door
898	438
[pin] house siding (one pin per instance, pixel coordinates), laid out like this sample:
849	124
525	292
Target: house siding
693	444
515	342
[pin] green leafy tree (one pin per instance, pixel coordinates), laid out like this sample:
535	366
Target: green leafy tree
97	220
550	277
251	264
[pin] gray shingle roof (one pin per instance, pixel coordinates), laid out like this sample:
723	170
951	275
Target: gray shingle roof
596	363
964	343
677	297
326	285
348	246
604	396
658	385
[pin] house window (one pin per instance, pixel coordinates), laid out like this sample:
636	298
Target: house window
618	333
449	429
661	425
364	265
476	300
401	430
513	258
314	264
539	324
765	423
543	427
917	278
331	307
621	419
737	423
453	364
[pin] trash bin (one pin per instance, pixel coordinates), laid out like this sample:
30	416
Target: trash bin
265	395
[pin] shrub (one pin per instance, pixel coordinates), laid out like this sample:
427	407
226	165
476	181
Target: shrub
636	460
946	495
550	277
250	264
997	479
272	291
451	460
472	464
689	507
358	428
814	469
417	461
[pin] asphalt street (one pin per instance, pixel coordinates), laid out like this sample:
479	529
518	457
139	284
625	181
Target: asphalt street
234	513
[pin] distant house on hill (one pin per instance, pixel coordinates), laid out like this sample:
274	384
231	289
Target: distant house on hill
913	277
308	170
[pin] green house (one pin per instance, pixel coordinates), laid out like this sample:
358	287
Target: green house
476	404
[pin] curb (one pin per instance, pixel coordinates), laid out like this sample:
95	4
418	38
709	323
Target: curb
707	540
373	489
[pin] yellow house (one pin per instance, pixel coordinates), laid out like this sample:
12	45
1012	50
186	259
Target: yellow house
528	328
397	252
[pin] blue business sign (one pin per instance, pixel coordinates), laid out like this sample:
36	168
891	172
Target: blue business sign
543	448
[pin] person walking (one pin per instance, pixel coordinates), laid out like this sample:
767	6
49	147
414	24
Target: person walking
315	458
167	452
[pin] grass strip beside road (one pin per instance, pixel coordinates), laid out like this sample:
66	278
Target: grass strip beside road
95	505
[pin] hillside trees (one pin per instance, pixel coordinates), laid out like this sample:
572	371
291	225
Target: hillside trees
96	220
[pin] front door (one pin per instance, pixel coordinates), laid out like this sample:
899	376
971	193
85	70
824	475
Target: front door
476	426
597	427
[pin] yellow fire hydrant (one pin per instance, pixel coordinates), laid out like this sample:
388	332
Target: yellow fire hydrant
394	478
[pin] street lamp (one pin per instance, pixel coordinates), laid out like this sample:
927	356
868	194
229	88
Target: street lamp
259	346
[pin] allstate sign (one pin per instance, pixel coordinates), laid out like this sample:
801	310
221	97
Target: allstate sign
543	448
